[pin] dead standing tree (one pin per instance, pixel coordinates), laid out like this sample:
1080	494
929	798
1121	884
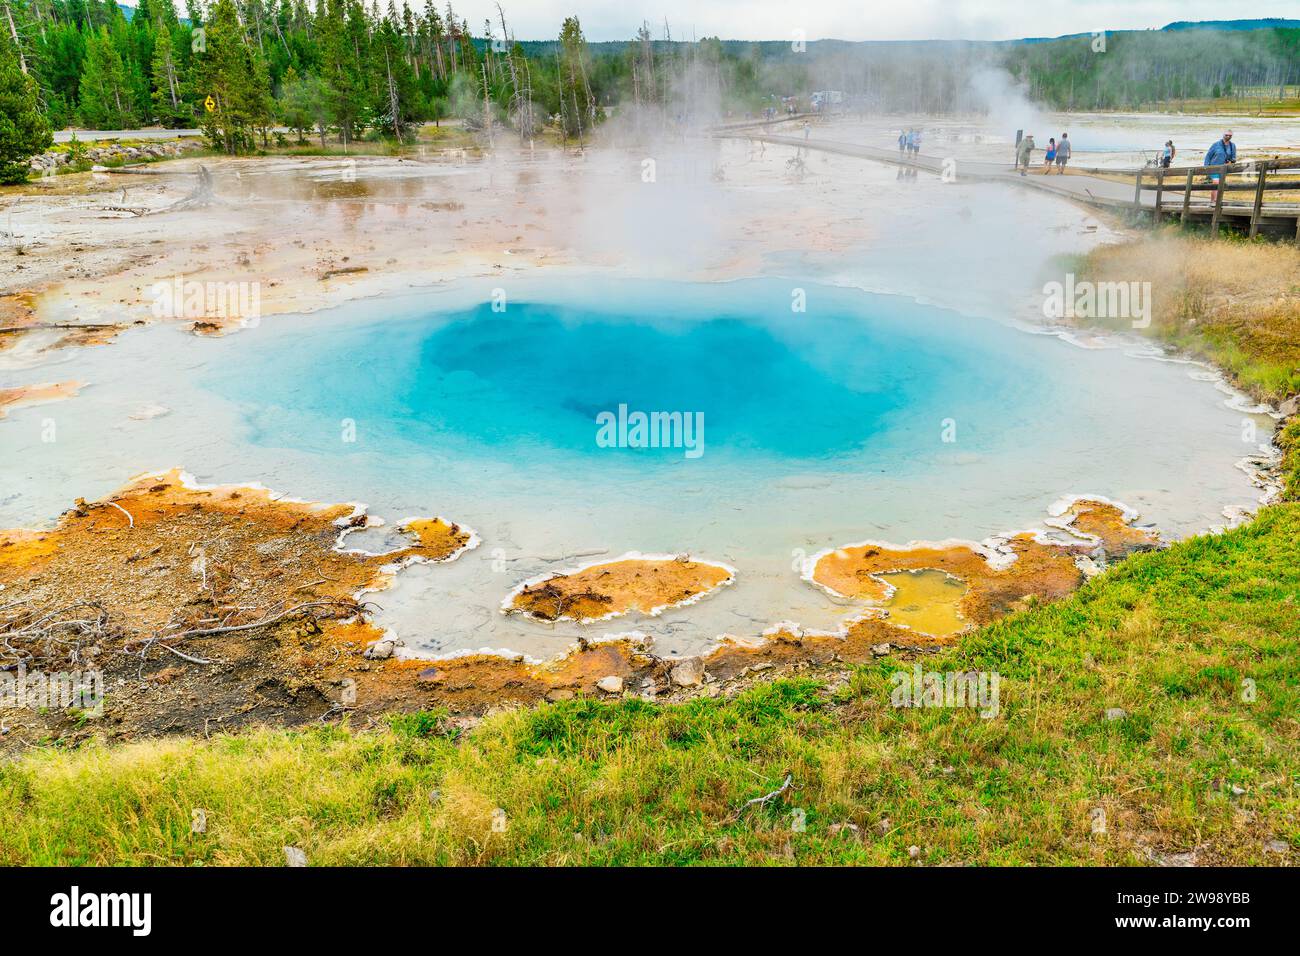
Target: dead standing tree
576	100
521	86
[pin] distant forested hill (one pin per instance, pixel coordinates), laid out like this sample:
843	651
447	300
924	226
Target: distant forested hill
1267	23
1130	69
1158	67
347	68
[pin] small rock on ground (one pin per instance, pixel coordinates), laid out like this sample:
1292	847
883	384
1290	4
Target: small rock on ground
688	672
613	684
380	650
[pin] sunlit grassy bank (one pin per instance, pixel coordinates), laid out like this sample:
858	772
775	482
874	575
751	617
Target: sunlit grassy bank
1234	302
1199	646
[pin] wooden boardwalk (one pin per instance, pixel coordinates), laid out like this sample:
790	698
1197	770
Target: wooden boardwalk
1276	219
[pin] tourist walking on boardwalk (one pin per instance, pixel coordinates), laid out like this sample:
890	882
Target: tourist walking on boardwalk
916	143
1062	153
1223	152
1167	156
902	142
1023	153
1049	155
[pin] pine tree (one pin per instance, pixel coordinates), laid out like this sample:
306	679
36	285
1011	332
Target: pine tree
577	106
261	102
13	22
297	111
63	55
343	67
169	106
23	130
231	83
105	94
164	15
394	92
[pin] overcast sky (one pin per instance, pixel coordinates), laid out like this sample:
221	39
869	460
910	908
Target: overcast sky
856	19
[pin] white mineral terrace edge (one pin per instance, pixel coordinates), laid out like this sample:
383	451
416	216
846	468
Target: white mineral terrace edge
994	549
507	605
453	608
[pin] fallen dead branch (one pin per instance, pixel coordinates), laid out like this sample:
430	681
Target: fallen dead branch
75	326
32	635
769	797
202	195
130	520
50	636
353	606
133	210
182	655
765	799
136	170
346	271
561	603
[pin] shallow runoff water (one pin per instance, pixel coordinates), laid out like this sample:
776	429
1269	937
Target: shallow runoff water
820	416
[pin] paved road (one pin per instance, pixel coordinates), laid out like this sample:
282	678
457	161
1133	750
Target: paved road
91	135
154	132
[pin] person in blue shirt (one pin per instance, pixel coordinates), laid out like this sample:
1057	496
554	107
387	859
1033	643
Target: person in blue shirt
1221	153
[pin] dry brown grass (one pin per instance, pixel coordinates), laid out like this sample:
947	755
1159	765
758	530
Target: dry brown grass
1235	303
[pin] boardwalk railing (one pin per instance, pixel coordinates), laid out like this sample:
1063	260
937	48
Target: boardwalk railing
1271	175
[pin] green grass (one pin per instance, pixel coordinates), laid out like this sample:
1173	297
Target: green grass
1288	439
1234	302
1172	638
1256	376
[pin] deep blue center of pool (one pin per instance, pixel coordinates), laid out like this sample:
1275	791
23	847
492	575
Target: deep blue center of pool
852	374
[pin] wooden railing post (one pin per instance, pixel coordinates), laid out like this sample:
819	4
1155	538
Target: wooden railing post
1160	192
1137	191
1218	202
1259	199
1187	198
